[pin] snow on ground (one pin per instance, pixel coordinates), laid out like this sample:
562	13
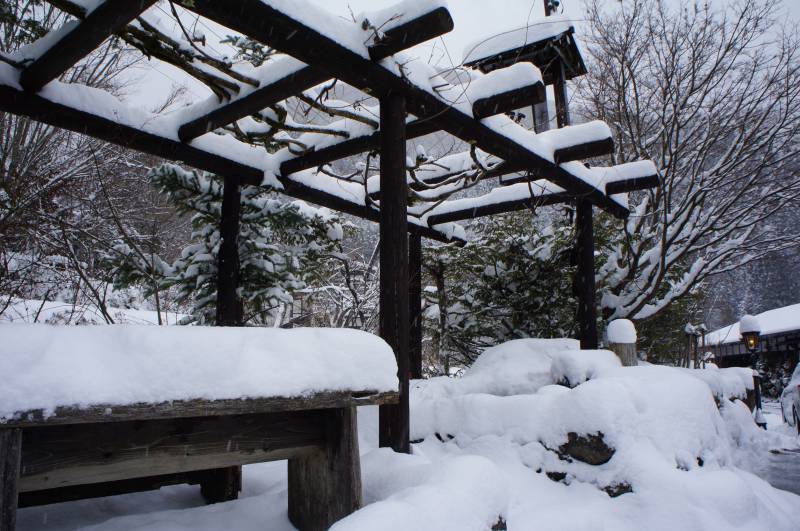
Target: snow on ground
57	312
486	450
49	366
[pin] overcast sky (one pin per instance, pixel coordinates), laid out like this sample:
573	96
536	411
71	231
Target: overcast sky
474	19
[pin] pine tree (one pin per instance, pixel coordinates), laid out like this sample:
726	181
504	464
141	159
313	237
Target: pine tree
281	246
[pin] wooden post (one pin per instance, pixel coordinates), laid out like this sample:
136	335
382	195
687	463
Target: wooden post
10	455
229	307
584	275
224	484
622	341
394	315
415	303
326	486
562	99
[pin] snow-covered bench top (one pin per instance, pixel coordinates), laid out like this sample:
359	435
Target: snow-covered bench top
91	373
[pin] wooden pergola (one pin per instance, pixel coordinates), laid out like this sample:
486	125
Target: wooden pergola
532	169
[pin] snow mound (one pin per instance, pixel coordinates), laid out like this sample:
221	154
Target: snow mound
522	366
45	367
621	331
616	430
463	492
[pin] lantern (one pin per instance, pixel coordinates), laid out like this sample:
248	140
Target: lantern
750	330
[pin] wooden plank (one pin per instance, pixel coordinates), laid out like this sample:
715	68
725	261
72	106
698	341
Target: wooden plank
584	276
229	305
413	32
393	307
415	304
106	19
108	488
59	115
325	486
60	456
10	454
103	413
275	28
508	101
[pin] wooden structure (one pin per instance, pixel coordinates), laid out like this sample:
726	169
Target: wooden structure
105	450
211	136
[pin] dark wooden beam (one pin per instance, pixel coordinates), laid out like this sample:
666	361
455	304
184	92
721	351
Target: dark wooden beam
229	304
508	101
10	459
275	28
501	207
253	102
350	147
415	303
587	150
38	108
428	26
584	279
109	488
394	316
632	185
498	104
424	28
106	19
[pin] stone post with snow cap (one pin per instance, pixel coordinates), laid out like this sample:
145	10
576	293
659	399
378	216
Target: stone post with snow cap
621	334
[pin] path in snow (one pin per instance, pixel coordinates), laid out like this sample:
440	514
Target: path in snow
782	469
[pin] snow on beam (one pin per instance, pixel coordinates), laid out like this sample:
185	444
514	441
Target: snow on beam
506	89
630	177
351	146
495	93
389	42
316	38
76	43
98	114
520	196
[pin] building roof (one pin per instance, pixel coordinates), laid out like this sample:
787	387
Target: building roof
775	321
539	42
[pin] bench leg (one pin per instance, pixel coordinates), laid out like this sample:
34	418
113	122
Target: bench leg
10	456
221	484
326	486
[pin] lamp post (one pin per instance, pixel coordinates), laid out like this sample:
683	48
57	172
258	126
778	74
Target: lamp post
750	330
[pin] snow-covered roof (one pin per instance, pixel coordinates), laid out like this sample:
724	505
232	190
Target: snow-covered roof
45	367
516	38
772	321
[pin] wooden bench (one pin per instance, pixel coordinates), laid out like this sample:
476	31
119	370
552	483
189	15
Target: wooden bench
106	449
